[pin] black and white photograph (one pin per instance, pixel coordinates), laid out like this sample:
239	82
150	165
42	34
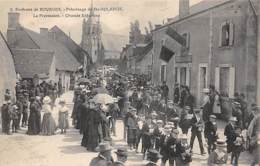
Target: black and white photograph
129	82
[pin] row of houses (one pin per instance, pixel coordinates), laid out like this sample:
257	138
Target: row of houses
50	55
213	42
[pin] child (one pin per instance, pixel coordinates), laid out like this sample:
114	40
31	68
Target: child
238	146
63	117
183	151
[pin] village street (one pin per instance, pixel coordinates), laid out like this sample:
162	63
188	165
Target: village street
65	150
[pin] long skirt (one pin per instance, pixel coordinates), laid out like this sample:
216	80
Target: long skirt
34	122
48	125
63	120
131	136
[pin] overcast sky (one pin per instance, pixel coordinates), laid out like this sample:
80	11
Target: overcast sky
113	22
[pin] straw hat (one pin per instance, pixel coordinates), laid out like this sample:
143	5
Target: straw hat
213	116
46	100
159	122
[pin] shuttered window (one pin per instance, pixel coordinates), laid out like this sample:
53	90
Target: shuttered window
226	34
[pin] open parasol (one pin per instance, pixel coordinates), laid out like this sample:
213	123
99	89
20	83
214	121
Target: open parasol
103	99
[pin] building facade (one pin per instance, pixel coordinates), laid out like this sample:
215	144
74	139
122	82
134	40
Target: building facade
214	43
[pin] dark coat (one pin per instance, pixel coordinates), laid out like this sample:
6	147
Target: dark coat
34	122
210	132
168	147
196	126
231	137
93	132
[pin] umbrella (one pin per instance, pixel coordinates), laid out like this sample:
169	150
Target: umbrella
84	80
100	90
103	99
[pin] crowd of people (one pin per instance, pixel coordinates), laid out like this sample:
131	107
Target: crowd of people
159	125
162	125
31	108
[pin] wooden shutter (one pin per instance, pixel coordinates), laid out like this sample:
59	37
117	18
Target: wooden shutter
188	41
231	81
231	34
217	75
220	35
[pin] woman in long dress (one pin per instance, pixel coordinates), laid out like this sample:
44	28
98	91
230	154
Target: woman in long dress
48	122
63	117
34	122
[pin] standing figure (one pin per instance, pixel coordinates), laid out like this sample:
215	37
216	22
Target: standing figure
63	116
238	146
146	138
206	105
168	145
48	123
15	118
196	130
25	109
176	93
210	133
6	116
230	134
34	118
184	120
131	129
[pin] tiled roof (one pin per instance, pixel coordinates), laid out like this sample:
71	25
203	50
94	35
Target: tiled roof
29	62
65	60
75	49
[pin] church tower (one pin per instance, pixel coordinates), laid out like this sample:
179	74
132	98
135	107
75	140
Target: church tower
91	36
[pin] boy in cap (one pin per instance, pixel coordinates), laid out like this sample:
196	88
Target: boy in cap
6	116
230	134
210	133
183	155
121	156
168	146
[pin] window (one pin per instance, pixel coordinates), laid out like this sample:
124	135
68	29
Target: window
163	73
226	34
183	75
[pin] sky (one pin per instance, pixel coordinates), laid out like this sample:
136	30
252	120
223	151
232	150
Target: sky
113	22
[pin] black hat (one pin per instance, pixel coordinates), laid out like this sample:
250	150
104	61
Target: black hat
154	154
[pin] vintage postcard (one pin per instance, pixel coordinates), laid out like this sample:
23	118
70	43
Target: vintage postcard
129	82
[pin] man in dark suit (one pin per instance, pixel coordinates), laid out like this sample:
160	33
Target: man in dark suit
210	133
230	133
196	129
168	146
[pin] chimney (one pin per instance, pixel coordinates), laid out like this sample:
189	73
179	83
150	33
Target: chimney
184	8
13	20
44	31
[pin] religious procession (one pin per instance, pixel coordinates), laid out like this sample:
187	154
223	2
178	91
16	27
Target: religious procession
160	129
